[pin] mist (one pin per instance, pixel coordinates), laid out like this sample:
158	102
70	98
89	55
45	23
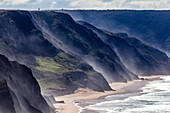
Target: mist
131	22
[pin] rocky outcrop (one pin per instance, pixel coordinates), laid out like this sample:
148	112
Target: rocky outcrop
6	103
24	89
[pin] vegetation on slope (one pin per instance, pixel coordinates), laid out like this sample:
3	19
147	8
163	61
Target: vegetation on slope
63	72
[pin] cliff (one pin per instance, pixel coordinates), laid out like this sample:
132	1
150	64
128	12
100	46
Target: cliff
24	89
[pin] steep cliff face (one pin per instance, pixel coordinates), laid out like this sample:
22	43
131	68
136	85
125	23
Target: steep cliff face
24	89
22	40
6	103
84	43
156	58
137	56
64	55
20	36
149	26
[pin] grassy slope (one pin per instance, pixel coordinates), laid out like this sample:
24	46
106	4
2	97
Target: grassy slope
54	69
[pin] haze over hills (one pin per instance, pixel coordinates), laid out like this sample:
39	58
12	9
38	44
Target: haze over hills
151	26
138	57
84	43
64	55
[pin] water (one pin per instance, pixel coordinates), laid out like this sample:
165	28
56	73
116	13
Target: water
155	98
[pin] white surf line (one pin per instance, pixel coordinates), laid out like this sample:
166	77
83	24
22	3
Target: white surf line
77	105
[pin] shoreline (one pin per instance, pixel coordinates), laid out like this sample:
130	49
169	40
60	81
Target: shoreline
76	102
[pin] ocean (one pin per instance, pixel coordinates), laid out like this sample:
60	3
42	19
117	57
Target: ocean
155	98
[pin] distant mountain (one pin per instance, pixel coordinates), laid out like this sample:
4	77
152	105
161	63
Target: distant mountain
150	26
19	90
138	57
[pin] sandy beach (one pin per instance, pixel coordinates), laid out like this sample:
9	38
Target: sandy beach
85	97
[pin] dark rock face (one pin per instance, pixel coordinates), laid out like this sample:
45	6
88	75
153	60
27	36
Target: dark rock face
137	56
6	103
149	26
25	90
20	36
91	81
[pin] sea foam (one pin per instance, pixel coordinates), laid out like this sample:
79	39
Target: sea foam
155	98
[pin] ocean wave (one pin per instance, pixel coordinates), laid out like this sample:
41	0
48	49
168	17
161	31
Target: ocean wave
155	98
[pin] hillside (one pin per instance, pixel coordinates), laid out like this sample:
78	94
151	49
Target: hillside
84	43
57	72
138	57
150	26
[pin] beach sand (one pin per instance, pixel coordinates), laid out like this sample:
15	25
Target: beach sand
84	97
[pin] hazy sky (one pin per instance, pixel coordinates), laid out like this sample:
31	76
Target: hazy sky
85	4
